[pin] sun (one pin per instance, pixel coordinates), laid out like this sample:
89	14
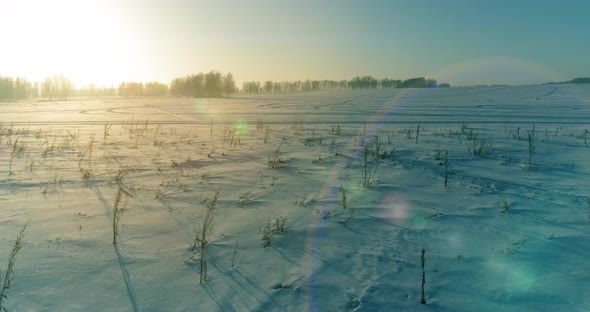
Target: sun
87	41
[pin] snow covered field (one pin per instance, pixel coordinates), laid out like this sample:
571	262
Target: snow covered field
359	177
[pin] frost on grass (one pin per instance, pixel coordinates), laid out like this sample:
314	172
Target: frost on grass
9	271
394	173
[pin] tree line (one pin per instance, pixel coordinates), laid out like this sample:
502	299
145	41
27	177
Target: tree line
153	88
365	82
56	87
90	90
12	89
212	85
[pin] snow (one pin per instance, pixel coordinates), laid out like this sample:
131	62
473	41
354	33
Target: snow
366	257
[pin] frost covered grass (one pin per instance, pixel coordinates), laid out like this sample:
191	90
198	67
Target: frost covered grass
9	271
376	177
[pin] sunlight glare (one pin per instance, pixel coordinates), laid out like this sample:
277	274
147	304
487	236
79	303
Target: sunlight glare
510	275
83	40
394	209
241	127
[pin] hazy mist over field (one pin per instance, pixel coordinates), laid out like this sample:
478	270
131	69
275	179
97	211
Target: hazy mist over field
405	155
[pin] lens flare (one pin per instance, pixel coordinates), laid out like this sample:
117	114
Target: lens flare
419	222
241	127
394	209
200	106
511	276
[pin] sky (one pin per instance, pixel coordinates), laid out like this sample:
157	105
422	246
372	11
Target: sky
463	42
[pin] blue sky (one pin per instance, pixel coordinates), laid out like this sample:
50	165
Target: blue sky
459	41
